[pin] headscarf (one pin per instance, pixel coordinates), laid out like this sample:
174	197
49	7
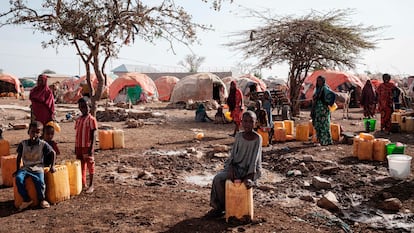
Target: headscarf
323	92
231	99
368	95
43	103
200	108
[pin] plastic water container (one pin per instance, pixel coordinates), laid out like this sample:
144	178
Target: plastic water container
302	133
31	191
239	200
4	147
75	176
335	132
399	165
265	136
392	148
106	141
369	124
57	184
118	139
289	126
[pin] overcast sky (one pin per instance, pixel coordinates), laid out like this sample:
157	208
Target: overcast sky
21	53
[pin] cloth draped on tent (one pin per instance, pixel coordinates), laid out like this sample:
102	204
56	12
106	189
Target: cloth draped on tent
9	83
261	84
165	86
197	87
131	80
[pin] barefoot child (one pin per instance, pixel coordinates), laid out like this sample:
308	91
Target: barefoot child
32	152
243	165
85	127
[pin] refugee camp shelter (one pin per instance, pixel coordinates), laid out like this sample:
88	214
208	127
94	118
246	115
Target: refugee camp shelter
337	81
199	87
242	83
165	86
129	86
9	84
261	84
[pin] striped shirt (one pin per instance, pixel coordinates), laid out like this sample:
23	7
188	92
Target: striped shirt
83	127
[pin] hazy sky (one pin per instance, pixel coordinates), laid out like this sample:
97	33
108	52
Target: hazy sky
21	53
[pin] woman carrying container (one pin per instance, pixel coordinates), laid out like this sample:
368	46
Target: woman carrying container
320	114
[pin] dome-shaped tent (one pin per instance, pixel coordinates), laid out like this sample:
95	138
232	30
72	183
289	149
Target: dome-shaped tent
261	84
337	81
165	86
9	83
199	87
132	81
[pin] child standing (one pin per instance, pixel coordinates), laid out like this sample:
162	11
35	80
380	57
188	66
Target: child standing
243	165
48	134
32	152
85	127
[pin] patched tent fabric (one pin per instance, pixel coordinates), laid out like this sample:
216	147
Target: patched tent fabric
9	83
198	87
165	86
72	90
261	84
242	83
132	80
336	80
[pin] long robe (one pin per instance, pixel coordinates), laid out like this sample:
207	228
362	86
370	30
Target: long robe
385	104
368	100
43	102
321	116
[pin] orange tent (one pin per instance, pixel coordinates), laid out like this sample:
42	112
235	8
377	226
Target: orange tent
165	86
13	83
130	80
336	80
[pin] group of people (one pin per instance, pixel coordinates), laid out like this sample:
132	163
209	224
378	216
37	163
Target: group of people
40	150
386	96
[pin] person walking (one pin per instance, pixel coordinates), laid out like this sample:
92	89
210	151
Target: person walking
235	103
385	102
368	99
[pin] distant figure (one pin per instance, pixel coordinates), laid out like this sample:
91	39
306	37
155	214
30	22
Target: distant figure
385	102
85	126
43	102
261	115
219	117
48	134
201	114
267	105
31	152
243	165
235	103
369	100
320	114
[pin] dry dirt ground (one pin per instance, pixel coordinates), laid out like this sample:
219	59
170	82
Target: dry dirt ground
159	184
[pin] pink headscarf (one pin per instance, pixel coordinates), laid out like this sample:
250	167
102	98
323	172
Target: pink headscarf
43	103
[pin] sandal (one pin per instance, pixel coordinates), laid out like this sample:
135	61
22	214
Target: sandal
44	204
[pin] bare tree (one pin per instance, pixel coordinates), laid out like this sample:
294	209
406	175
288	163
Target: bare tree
192	62
312	41
99	28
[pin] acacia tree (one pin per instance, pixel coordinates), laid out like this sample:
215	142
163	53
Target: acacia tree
309	42
99	28
192	62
